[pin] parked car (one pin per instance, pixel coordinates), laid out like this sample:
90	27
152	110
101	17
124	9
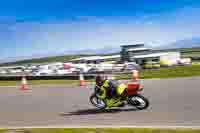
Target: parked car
104	67
82	67
28	70
93	71
63	71
3	72
130	67
15	70
118	67
44	72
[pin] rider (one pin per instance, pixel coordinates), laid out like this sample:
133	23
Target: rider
111	89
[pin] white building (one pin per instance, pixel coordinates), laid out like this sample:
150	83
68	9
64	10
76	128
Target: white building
141	55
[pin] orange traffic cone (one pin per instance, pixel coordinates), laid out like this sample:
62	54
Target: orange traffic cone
82	81
135	75
24	85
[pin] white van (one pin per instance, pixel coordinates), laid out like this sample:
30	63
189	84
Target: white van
43	72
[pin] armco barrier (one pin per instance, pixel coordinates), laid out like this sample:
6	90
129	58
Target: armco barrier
63	77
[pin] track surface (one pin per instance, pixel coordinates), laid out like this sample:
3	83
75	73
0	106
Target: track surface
174	102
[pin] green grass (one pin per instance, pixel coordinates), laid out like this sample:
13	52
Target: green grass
42	82
196	63
116	130
191	55
3	130
179	71
190	52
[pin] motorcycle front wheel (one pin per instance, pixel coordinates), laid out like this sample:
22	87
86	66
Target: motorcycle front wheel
139	102
97	102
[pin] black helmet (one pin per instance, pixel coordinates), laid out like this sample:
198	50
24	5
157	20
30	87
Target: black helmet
99	80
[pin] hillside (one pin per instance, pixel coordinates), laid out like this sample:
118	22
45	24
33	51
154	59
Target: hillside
64	58
187	43
186	52
43	60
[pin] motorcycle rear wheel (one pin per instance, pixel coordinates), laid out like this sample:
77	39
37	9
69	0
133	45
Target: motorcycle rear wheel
139	101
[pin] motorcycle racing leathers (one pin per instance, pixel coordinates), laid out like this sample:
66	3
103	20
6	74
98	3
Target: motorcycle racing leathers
112	92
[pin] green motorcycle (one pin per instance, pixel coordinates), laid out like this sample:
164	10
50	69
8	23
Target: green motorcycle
131	97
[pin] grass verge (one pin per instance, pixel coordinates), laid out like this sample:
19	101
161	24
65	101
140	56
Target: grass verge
173	72
122	130
42	82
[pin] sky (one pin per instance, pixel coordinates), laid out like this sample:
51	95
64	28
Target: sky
30	28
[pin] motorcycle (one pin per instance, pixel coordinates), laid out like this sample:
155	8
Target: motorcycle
131	97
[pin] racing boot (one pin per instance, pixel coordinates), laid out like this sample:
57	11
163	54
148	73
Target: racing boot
119	102
122	104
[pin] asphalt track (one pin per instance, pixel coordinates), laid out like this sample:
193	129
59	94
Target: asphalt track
174	102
